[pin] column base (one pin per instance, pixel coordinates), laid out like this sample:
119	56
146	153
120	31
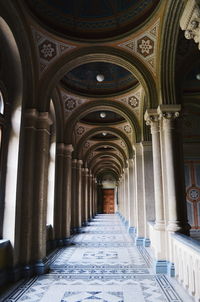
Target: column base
66	241
126	223
132	230
40	267
164	267
139	241
146	242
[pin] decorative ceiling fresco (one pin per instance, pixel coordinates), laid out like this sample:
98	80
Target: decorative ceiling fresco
84	79
102	99
91	19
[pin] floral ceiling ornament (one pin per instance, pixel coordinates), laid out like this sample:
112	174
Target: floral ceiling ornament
145	45
47	50
133	101
87	145
127	129
80	130
123	144
70	104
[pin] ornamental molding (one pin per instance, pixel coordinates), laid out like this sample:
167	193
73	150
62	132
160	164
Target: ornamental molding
151	116
190	21
145	46
48	49
169	111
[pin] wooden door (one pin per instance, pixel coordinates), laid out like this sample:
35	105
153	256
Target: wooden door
108	201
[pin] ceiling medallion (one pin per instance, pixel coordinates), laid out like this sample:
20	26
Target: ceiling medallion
102	114
100	77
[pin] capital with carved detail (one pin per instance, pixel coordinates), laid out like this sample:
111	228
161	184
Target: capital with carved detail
190	20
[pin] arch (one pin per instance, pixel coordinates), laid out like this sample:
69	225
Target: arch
111	159
107	154
102	105
103	162
170	33
59	114
102	170
11	59
94	54
117	147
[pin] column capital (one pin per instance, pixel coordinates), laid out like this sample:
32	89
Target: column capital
79	162
30	117
74	163
68	150
169	112
44	120
151	116
190	21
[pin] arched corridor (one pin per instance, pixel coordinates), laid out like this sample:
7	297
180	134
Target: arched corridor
99	123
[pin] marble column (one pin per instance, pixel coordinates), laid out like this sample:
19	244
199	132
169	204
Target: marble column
132	222
66	207
140	206
94	197
39	206
58	193
90	196
22	254
79	193
152	119
86	176
127	200
177	211
74	197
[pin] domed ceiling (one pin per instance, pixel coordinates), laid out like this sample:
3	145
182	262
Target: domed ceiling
84	79
92	19
102	118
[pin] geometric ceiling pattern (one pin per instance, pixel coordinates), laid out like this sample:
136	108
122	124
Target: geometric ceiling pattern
145	45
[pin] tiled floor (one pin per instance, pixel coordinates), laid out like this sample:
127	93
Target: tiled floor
100	265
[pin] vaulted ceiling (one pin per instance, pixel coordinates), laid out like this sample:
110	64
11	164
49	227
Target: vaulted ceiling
100	63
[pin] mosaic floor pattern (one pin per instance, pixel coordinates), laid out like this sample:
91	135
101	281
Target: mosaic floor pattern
101	264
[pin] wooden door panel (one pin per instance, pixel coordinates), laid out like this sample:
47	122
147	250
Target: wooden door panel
108	201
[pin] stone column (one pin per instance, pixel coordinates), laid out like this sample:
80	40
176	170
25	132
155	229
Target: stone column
152	119
132	197
90	196
74	196
177	211
58	193
127	200
79	193
39	206
22	254
140	206
86	194
83	216
66	208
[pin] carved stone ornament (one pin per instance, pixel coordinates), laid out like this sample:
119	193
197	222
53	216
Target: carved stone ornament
151	116
190	20
169	111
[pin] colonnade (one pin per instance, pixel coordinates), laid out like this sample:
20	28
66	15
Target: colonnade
156	194
75	197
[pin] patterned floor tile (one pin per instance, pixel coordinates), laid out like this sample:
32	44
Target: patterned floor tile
101	264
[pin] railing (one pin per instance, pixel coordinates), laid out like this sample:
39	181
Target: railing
186	258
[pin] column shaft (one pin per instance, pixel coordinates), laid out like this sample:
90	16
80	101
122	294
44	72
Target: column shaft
66	208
